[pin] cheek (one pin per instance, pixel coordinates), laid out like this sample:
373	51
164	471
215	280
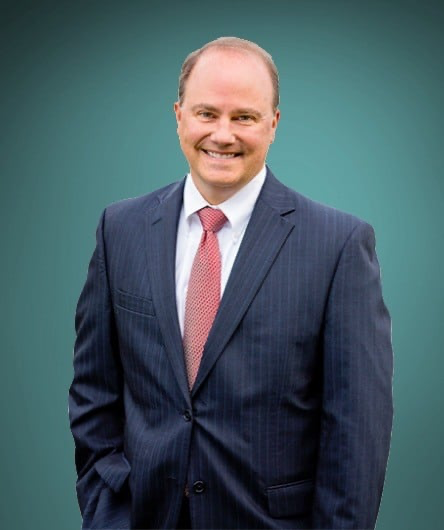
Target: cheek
259	141
258	148
191	133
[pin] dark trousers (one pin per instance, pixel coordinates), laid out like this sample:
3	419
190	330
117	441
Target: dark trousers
184	522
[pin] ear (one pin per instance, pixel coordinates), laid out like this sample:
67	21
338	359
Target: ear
276	118
274	124
178	112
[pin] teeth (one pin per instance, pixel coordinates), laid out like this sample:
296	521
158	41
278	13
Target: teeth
221	155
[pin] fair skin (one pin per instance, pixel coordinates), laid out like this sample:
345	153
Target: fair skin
226	122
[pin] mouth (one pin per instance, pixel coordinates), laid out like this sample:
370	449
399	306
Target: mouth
220	156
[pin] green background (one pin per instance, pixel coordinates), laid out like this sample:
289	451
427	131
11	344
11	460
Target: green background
86	119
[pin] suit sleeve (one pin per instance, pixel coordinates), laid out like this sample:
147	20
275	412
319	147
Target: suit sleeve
357	408
95	396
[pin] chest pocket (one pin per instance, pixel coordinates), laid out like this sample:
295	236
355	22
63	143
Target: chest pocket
134	303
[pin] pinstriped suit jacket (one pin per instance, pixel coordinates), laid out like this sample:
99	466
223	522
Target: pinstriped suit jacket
288	424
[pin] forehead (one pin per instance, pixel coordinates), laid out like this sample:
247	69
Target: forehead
229	75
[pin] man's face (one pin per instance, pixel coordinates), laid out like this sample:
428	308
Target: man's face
226	121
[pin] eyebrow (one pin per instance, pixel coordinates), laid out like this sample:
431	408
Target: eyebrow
245	110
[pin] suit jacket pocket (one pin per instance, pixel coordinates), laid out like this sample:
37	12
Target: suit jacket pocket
113	510
114	470
134	303
294	498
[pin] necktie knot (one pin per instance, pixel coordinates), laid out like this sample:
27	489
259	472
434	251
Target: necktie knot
212	220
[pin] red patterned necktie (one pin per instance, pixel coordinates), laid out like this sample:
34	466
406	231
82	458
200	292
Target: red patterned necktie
203	295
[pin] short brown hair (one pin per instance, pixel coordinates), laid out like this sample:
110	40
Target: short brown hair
229	42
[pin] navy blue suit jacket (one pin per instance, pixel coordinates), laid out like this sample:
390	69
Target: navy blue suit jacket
288	424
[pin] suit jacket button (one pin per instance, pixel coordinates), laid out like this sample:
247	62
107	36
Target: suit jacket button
199	486
187	415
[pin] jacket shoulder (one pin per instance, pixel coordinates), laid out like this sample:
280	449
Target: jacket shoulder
314	215
325	212
133	207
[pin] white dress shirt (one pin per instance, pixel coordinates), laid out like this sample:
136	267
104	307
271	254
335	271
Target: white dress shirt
237	210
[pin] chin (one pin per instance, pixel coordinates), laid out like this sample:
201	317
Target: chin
223	180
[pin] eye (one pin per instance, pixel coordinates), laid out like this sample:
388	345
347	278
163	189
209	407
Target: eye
205	115
245	118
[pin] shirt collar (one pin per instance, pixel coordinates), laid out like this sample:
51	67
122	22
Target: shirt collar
237	209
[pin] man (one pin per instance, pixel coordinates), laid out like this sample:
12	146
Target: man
233	361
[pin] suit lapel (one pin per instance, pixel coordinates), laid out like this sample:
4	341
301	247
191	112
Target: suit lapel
266	233
161	231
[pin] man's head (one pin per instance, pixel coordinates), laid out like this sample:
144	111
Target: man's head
227	114
233	43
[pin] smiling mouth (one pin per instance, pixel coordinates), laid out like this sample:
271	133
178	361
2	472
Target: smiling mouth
221	156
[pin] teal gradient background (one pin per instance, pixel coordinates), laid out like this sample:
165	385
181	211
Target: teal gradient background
87	89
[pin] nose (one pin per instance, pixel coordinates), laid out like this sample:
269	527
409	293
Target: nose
222	133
